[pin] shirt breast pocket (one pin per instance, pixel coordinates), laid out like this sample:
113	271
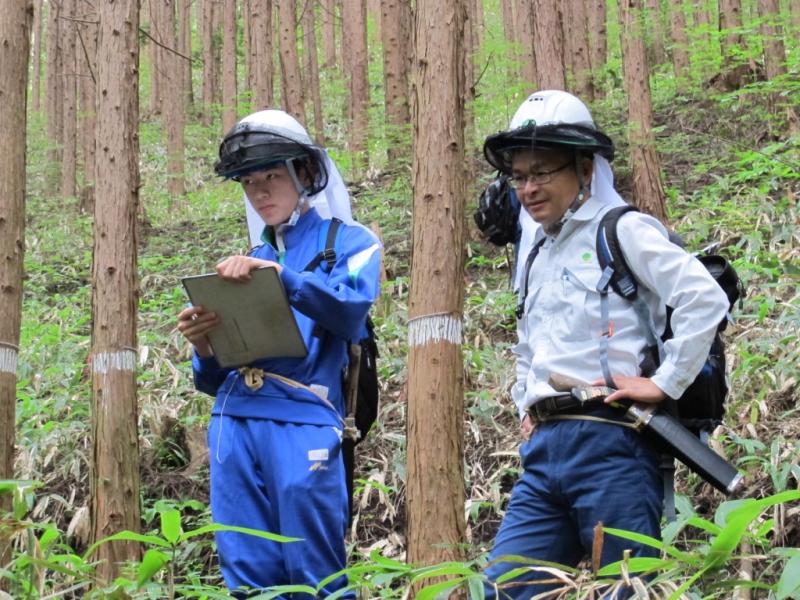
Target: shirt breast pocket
582	312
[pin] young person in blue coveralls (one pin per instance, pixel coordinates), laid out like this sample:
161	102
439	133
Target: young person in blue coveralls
276	427
581	465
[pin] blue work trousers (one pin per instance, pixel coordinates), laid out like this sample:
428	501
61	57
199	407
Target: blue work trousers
283	478
577	473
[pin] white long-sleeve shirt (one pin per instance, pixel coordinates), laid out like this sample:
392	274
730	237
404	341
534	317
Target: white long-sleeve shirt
561	326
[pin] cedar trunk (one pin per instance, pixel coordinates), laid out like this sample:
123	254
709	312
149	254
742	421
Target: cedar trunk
185	48
524	12
395	27
329	33
15	36
648	191
312	70
354	22
210	65
435	485
656	28
87	59
70	100
730	21
291	84
680	41
229	94
597	42
577	17
509	31
173	100
54	92
260	52
548	45
36	84
115	464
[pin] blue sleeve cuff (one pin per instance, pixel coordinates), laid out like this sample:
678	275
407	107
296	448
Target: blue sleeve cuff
204	364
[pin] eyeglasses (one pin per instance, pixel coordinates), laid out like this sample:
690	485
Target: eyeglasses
537	177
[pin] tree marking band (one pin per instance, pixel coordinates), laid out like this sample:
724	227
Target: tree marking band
124	360
434	328
8	358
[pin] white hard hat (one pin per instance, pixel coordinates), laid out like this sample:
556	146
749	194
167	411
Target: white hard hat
550	107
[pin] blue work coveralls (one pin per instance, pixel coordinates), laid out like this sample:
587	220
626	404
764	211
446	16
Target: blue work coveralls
275	452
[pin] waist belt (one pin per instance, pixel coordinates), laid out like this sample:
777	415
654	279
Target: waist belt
579	400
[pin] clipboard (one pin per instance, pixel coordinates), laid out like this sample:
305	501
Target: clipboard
256	320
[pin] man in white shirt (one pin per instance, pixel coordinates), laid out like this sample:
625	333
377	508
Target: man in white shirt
583	466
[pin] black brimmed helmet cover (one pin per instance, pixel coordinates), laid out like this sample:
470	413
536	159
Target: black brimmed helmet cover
252	147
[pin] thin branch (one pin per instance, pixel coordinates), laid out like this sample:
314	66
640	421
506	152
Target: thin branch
167	48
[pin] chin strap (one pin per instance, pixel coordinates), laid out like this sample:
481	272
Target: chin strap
583	190
302	201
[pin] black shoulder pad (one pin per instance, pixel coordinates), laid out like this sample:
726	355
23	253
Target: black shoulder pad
609	253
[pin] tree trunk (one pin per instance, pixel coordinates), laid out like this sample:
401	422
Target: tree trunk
173	100
648	191
548	45
15	37
435	484
38	29
329	33
312	70
229	92
87	58
680	41
774	51
577	18
54	93
354	18
597	43
730	21
654	24
185	48
395	31
291	84
70	100
115	465
155	12
260	52
210	66
509	32
524	12
468	89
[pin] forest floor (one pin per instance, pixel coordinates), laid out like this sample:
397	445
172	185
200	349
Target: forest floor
729	178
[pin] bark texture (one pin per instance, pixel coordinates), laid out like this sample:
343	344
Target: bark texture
730	21
648	190
436	527
576	20
680	40
115	464
329	33
656	28
354	21
395	29
174	100
54	92
312	69
36	83
184	17
210	63
87	60
598	42
548	45
260	52
524	14
291	82
15	36
70	100
229	92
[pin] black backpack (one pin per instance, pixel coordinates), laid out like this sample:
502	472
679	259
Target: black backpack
368	395
702	405
497	215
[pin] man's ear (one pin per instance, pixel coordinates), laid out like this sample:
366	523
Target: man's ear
587	165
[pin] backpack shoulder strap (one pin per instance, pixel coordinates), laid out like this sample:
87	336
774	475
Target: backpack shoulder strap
526	273
609	254
328	254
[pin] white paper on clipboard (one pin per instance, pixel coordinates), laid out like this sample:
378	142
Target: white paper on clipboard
256	320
